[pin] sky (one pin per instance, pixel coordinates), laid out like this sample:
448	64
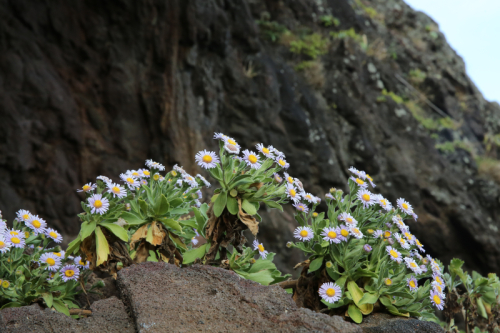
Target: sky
472	28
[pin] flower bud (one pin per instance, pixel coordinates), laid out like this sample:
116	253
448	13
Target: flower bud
119	265
19	272
370	231
388	282
367	248
289	244
253	261
315	214
329	264
333	190
391	241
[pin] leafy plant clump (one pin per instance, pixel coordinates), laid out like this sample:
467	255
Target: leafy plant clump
33	272
364	256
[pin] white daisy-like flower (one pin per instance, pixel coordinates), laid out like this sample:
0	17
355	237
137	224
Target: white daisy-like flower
36	224
370	179
258	246
404	206
439	289
347	218
356	232
52	261
384	203
207	184
4	244
412	283
354	171
366	197
436	300
178	169
70	272
13	232
232	149
303	233
267	152
231	141
190	180
360	182
292	193
378	234
60	254
299	184
344	232
207	159
332	235
399	222
419	245
194	240
330	292
277	153
437	278
87	188
219	136
404	244
288	178
23	215
15	238
116	190
251	158
329	196
130	180
277	178
301	207
178	182
394	254
281	162
154	165
411	264
134	173
409	237
104	179
309	197
98	204
84	264
56	237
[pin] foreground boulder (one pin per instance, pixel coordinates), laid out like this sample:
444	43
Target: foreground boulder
204	298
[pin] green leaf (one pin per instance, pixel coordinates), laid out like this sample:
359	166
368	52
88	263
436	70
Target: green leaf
175	202
357	295
480	308
152	255
87	228
386	301
149	235
60	307
73	246
400	294
248	207
368	299
171	223
144	206
116	230
11	305
161	206
232	205
102	247
355	313
273	204
193	254
220	203
177	240
131	218
201	220
263	277
48	299
315	264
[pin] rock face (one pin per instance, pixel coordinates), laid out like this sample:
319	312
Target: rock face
96	88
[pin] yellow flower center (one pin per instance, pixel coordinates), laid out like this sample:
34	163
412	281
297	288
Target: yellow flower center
265	150
14	233
418	242
252	158
281	162
436	299
156	176
402	240
5	284
25	216
330	292
425	261
412	284
348	220
130	180
86	188
344	232
36	224
50	261
368	176
26	234
332	235
356	231
69	273
174	173
383	202
370	231
394	254
53	234
359	181
98	204
366	197
388	282
293	192
146	172
315	214
15	240
83	263
116	190
304	233
438	280
405	206
231	142
207	158
387	234
57	254
2	245
135	173
290	180
261	248
413	265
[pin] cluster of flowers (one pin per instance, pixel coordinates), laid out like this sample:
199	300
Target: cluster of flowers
395	235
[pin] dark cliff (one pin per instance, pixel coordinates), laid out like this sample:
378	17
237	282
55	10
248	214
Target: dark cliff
91	87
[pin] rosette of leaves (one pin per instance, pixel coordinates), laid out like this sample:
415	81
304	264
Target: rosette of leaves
234	206
361	275
153	221
474	297
23	281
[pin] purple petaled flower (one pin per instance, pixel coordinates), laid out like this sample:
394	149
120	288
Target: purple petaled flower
367	248
70	272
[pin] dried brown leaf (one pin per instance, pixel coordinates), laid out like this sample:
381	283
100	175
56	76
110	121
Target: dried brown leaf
248	220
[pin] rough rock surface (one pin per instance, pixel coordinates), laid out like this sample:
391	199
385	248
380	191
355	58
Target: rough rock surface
384	323
204	298
108	315
97	87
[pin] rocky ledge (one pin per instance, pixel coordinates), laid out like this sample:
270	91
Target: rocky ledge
158	297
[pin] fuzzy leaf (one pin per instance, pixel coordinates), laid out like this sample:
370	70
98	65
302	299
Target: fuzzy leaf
102	248
355	313
161	206
131	218
248	207
116	230
315	264
220	203
232	205
193	254
171	223
87	228
273	204
60	307
48	299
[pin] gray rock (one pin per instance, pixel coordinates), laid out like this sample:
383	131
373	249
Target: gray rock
384	323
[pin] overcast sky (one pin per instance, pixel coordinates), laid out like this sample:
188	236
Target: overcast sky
472	28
